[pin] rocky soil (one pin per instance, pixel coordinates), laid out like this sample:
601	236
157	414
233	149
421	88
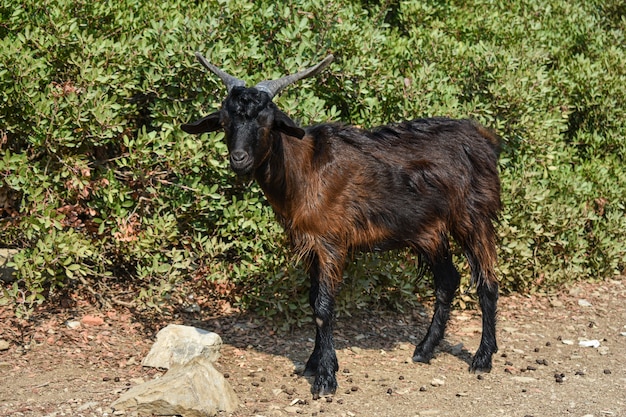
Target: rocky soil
562	354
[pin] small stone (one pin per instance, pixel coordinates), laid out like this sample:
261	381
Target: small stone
436	382
462	394
523	379
607	372
567	342
356	350
589	343
4	345
72	324
584	303
89	320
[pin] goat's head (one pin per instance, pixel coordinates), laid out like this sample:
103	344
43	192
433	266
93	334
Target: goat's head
248	116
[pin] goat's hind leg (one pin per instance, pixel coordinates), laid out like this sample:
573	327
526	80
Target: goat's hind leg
488	298
487	287
447	280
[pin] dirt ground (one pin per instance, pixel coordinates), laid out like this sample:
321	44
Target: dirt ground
76	361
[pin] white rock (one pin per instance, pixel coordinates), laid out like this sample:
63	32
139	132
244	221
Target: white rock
436	382
523	379
589	343
195	389
72	324
584	303
567	342
178	344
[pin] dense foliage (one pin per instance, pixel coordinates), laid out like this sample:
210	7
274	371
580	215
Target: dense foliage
98	183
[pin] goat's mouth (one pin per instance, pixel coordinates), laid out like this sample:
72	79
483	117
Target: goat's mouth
242	168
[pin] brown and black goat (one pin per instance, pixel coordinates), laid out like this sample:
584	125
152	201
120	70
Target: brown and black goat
337	188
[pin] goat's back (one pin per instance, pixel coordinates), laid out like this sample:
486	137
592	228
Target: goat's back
396	185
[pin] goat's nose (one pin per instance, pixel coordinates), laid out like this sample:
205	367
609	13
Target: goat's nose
238	156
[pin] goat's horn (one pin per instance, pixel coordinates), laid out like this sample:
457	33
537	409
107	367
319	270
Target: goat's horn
273	87
226	78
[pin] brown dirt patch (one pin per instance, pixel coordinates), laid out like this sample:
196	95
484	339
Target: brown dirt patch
52	369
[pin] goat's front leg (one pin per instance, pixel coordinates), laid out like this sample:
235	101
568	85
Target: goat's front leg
323	361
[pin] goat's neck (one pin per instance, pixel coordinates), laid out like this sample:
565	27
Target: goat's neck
283	175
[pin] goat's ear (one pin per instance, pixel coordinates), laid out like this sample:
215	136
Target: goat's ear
284	124
208	123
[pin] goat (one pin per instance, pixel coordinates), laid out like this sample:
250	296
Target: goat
336	189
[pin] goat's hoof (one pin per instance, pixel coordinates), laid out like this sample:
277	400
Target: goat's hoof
419	356
480	364
324	386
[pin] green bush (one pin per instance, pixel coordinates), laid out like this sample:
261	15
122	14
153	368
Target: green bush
99	185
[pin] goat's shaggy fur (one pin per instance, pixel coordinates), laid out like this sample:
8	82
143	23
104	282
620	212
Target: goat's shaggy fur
336	189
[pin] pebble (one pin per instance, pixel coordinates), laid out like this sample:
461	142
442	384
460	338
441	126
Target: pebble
436	382
584	303
72	324
4	345
567	342
589	343
89	320
524	379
